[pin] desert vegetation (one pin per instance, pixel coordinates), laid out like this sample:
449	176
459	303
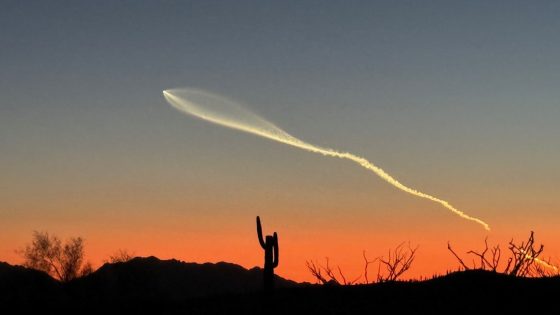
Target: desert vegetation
271	251
47	253
523	260
120	256
389	268
64	261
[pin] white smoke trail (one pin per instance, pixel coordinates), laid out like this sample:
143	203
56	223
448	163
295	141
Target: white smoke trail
227	113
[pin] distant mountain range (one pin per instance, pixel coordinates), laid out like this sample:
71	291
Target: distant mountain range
151	285
140	279
147	278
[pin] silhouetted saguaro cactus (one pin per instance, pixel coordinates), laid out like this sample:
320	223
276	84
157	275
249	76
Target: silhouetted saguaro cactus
270	246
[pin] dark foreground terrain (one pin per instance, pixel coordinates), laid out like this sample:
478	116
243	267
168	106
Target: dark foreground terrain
150	285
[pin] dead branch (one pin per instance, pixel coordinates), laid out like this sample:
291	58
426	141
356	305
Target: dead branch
483	261
342	275
496	255
315	270
457	256
366	265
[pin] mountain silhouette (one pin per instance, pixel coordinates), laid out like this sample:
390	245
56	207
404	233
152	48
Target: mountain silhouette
171	280
148	280
23	286
150	285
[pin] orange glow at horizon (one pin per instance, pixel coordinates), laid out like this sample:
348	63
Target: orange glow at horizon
181	237
338	221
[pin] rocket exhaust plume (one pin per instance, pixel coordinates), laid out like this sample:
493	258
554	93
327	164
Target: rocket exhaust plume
227	113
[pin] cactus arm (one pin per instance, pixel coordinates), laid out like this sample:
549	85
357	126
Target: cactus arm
259	233
276	250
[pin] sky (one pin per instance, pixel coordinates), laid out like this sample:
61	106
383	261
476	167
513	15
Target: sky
458	100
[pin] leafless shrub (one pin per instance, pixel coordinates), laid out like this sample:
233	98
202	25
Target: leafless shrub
326	275
523	257
122	255
486	263
524	261
398	262
316	272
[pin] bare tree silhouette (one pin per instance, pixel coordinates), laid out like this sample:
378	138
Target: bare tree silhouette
63	262
523	262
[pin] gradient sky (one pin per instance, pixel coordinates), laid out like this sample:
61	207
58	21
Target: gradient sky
457	100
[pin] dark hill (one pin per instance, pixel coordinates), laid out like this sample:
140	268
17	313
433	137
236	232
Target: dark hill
138	282
150	285
22	286
465	292
149	279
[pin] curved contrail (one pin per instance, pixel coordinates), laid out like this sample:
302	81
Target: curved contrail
227	113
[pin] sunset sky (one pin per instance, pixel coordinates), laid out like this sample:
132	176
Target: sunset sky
461	101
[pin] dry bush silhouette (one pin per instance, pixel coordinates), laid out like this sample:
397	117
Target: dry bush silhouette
524	259
397	263
391	268
63	262
486	263
120	256
316	271
326	275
